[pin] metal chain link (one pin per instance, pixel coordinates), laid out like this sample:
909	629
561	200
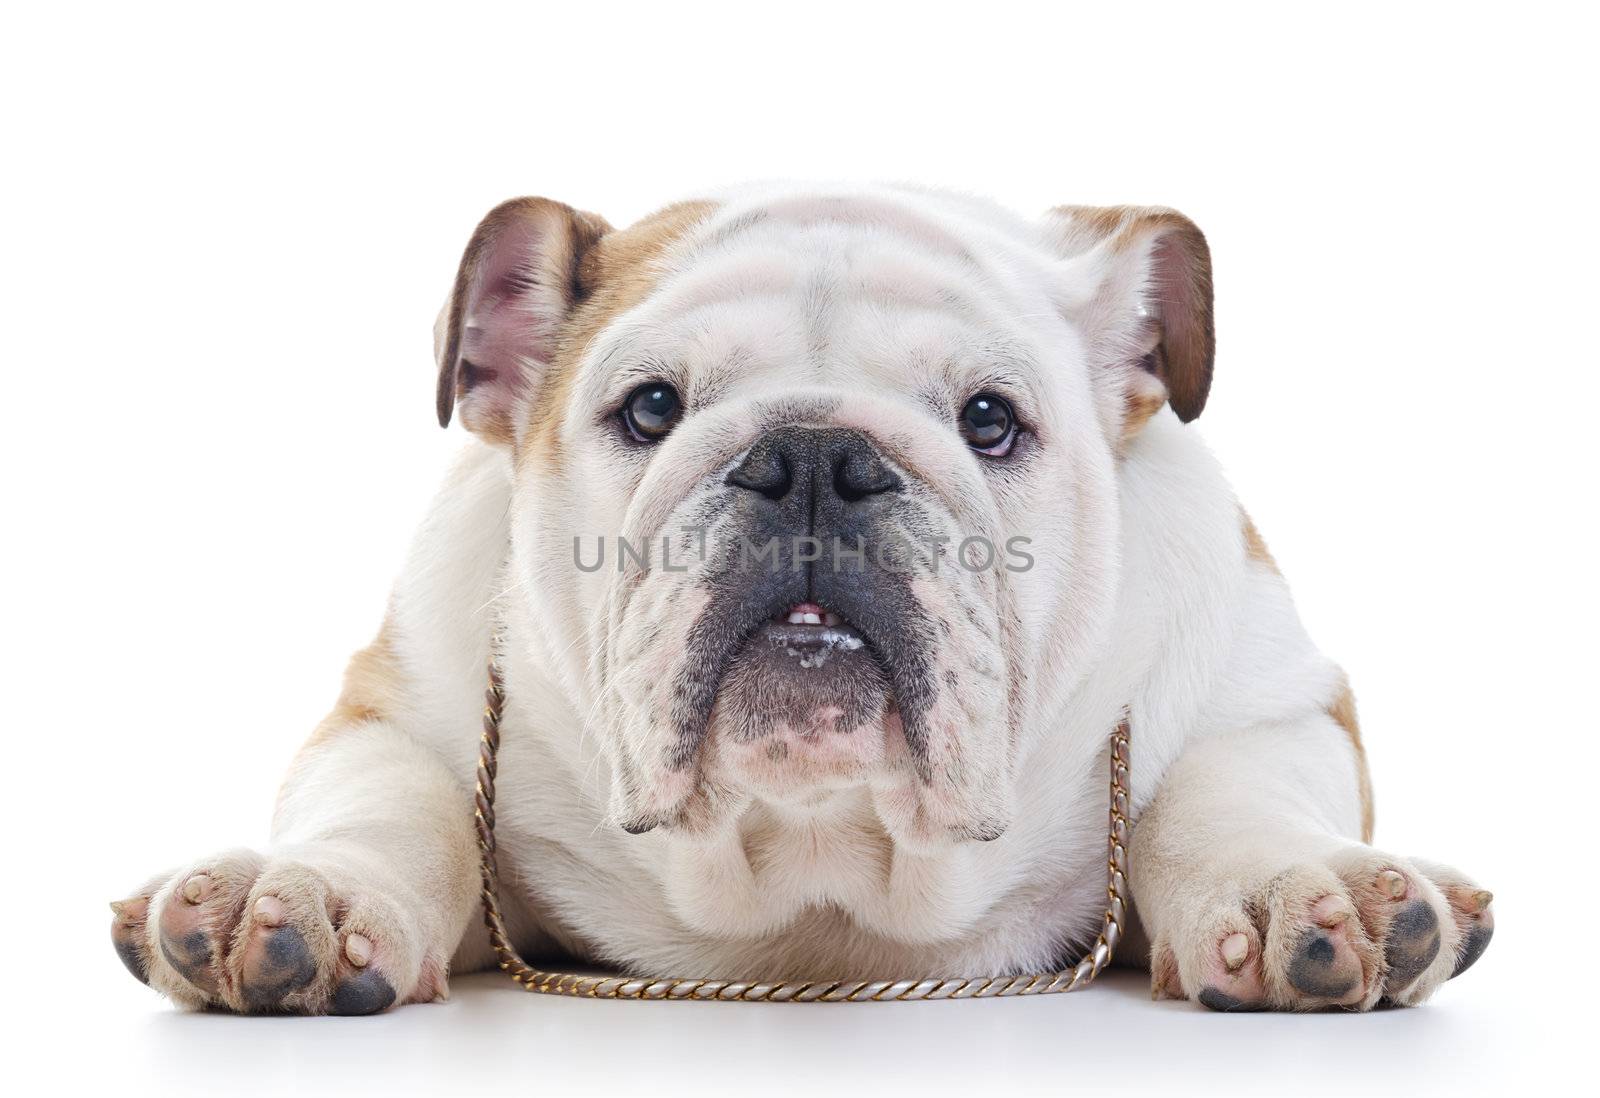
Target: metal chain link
796	991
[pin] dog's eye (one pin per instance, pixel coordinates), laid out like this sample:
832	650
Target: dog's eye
988	425
651	411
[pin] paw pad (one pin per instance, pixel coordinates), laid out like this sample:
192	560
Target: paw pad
1213	999
277	962
1345	929
1413	944
257	935
1324	966
367	992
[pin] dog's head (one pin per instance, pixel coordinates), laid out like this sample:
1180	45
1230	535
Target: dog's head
815	490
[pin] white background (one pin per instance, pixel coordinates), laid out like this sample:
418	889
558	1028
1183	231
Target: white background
227	232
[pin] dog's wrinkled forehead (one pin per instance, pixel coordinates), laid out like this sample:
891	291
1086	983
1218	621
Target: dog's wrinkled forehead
854	294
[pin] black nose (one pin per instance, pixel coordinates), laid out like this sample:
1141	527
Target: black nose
818	459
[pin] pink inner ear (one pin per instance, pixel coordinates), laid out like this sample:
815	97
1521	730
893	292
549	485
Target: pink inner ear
512	292
512	311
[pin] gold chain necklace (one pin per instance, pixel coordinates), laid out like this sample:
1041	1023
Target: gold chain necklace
796	991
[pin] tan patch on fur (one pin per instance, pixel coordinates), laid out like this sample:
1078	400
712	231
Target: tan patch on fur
371	683
1254	546
1343	707
1124	225
1142	398
1180	262
1343	711
1100	222
615	275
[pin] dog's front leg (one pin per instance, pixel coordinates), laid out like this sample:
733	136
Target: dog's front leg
1257	894
358	903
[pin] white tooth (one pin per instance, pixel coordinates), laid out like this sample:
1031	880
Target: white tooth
797	618
812	619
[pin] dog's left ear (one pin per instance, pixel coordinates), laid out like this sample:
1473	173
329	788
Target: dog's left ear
1144	276
499	330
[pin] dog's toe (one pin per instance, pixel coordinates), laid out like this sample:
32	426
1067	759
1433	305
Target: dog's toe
1405	910
1324	966
1224	973
128	935
1477	921
277	961
185	936
1411	946
1477	941
1471	910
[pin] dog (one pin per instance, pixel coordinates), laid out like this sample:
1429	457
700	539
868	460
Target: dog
820	536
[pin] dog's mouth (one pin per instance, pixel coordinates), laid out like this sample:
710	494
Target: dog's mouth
784	642
803	677
811	626
797	661
803	657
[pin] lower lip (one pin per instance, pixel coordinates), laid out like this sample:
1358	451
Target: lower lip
842	637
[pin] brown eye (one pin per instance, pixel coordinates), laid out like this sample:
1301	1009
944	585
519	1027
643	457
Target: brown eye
651	411
988	425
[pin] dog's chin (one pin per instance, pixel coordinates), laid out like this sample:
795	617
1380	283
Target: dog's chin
804	708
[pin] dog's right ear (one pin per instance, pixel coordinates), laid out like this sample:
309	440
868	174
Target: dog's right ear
1148	313
498	332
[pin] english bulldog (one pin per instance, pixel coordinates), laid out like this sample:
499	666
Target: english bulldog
820	536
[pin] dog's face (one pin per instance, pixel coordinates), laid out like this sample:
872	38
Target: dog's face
815	492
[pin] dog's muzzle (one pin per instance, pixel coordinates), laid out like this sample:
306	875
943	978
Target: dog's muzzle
805	604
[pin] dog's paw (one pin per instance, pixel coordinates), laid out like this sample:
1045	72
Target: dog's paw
1351	929
317	933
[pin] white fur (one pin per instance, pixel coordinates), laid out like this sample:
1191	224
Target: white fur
1144	595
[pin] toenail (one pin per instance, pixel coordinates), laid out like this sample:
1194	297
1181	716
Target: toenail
129	912
1393	883
1481	899
269	911
1330	911
358	948
197	888
1235	948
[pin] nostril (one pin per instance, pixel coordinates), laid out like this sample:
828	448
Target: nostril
765	470
833	461
858	475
